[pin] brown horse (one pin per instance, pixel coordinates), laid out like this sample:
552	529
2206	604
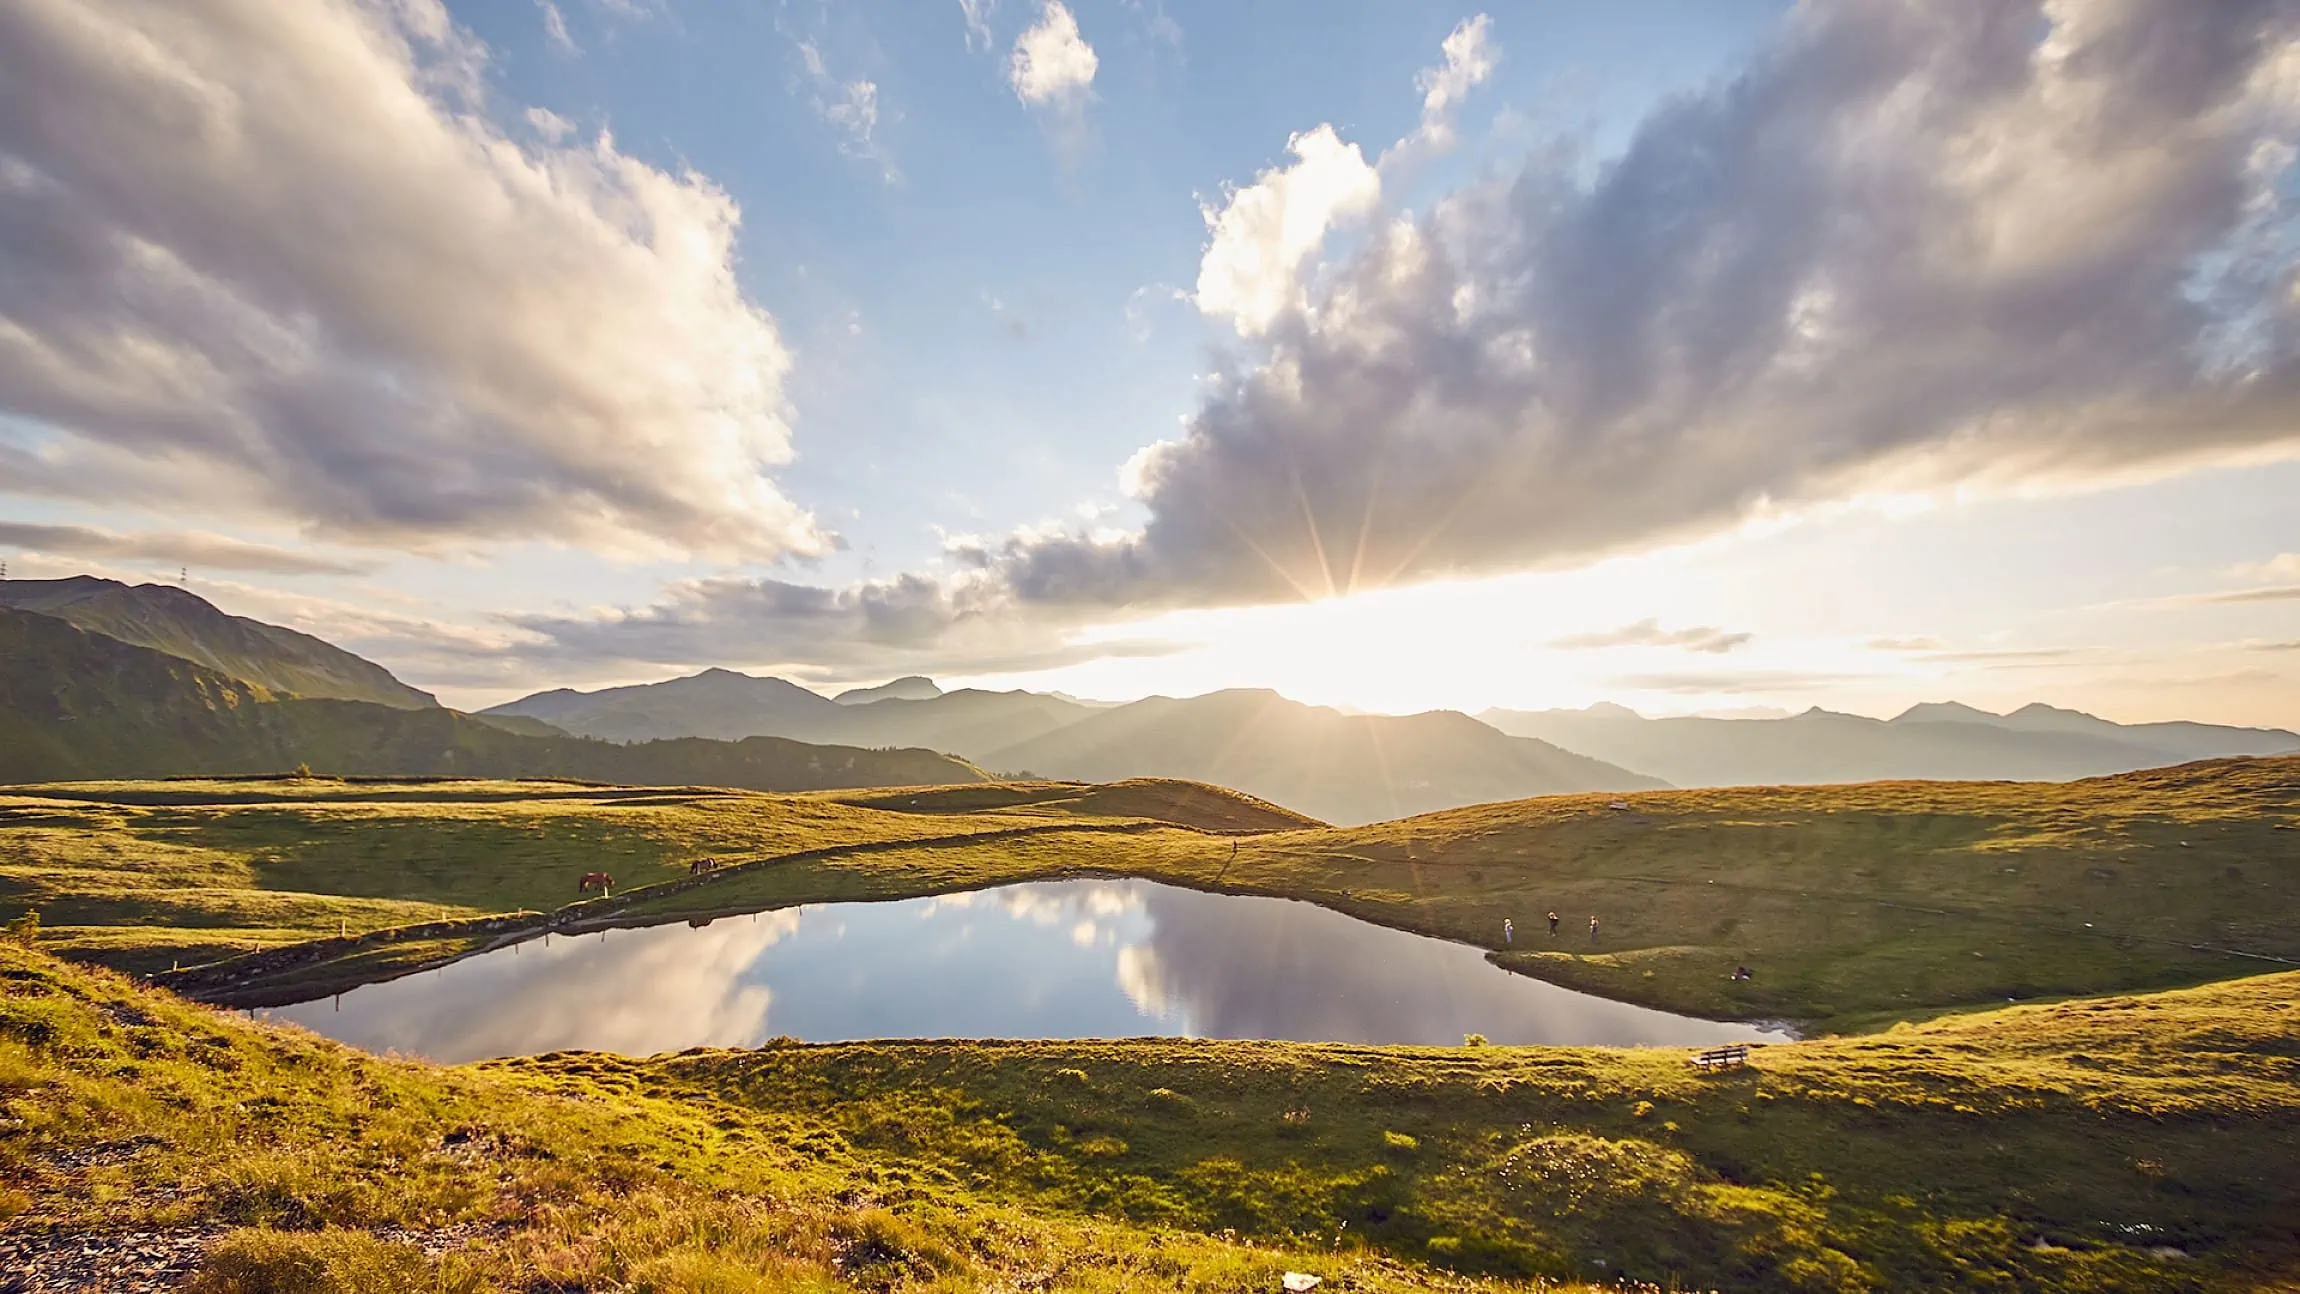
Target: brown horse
702	865
604	883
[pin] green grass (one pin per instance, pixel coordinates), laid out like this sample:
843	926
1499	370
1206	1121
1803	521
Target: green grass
1855	906
2061	1147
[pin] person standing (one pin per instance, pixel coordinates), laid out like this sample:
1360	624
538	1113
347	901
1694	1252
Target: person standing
1593	929
1508	932
1553	925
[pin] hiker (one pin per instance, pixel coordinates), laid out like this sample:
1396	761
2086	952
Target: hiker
1508	932
1593	929
1553	925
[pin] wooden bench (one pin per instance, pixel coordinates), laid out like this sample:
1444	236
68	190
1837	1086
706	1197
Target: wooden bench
1717	1058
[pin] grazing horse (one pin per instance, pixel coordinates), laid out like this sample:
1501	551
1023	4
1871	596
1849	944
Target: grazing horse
604	883
702	865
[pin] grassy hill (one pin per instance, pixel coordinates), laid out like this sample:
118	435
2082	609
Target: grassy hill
1856	907
1944	741
80	704
1314	760
168	619
2121	1144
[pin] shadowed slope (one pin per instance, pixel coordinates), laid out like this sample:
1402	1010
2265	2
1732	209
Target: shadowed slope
168	619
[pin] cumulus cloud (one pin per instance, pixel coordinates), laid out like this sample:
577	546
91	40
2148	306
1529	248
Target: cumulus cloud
1052	71
1470	55
1649	633
277	260
1914	244
179	548
1262	233
1052	64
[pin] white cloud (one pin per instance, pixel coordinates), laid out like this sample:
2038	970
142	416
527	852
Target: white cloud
1263	233
1052	67
977	14
550	125
1913	246
275	261
1649	633
555	28
1470	55
181	548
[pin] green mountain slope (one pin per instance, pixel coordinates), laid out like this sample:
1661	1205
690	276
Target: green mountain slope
1336	767
169	619
75	704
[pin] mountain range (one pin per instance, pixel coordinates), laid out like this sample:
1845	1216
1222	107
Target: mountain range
1340	767
104	679
77	703
1942	740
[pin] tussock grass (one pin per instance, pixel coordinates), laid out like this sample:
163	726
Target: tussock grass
2133	1143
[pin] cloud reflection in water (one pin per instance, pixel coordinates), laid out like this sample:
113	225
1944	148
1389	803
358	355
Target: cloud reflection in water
1064	959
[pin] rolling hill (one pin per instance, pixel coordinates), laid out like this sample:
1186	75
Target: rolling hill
182	624
1940	742
77	704
1338	767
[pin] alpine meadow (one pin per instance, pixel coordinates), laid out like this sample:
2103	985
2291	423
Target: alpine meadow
1074	646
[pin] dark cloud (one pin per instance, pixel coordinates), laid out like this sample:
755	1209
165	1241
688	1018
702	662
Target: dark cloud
1916	243
1649	633
213	552
864	631
276	260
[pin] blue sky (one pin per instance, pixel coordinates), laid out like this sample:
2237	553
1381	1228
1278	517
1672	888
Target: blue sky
1388	355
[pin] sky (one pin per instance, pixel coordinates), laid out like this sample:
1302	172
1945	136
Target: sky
1705	357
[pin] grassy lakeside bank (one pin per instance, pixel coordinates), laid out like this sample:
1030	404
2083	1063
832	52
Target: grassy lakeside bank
2120	1144
1855	906
142	875
130	1121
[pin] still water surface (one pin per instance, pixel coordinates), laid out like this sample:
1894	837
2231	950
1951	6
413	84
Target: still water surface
1059	959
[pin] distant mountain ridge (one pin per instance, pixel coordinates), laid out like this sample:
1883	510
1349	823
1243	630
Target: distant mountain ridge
168	619
717	703
910	687
1333	766
1935	741
1346	769
79	704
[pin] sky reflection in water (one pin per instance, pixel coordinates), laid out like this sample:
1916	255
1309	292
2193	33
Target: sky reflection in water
1067	959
